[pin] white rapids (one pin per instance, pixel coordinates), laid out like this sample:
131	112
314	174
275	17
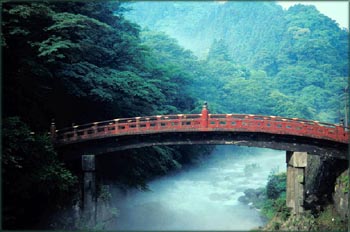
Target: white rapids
204	197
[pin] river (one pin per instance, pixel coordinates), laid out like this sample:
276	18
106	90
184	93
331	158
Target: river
203	197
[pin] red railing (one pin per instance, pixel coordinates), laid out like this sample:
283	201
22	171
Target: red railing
201	123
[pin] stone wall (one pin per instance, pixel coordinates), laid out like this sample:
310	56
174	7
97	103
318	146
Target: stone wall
312	173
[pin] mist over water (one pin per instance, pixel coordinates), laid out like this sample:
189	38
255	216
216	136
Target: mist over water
204	197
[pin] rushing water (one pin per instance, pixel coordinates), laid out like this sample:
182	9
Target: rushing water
204	197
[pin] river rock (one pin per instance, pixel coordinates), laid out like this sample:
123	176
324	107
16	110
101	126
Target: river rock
253	197
243	199
250	193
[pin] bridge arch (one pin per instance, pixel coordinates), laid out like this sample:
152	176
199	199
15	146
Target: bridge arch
291	134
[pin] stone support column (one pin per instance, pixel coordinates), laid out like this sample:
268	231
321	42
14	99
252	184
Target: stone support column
296	164
89	188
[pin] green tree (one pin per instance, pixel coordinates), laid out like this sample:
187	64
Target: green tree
73	58
34	180
276	185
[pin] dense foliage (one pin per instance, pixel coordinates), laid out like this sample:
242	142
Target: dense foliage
276	185
71	60
34	180
275	204
258	58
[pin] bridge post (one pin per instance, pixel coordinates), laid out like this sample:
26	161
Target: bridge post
89	188
138	123
53	129
94	127
158	122
296	164
205	115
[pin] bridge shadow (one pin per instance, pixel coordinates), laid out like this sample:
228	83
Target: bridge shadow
110	145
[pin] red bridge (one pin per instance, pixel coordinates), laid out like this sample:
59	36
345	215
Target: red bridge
250	130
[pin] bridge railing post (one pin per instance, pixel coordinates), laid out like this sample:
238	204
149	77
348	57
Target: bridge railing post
75	134
158	122
94	128
148	124
205	116
53	129
179	121
137	123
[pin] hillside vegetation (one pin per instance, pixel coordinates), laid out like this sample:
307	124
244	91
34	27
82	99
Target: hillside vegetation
258	58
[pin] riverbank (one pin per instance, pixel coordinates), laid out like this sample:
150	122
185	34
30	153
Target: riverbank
279	217
326	220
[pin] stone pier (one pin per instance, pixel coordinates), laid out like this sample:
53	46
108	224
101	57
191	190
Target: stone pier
89	189
296	164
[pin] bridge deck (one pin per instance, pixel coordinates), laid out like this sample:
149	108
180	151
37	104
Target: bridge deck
203	122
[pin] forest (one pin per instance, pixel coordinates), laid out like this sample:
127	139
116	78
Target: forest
259	58
77	62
